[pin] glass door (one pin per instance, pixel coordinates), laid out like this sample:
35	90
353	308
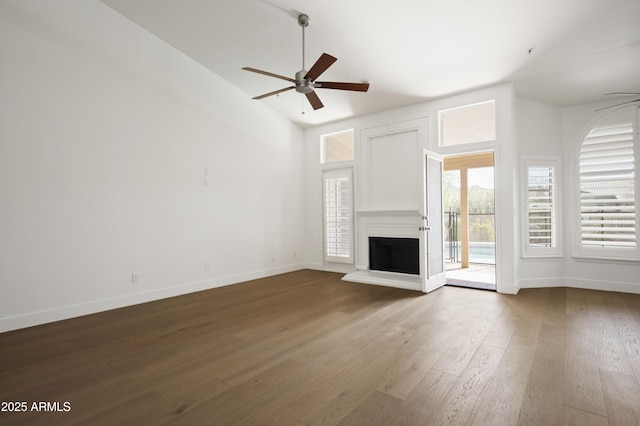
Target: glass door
432	229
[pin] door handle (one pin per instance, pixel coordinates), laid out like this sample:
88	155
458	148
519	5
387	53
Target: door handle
425	227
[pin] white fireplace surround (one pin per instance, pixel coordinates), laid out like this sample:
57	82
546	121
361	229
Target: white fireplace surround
384	223
390	184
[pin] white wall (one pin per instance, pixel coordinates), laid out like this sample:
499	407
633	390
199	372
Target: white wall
524	129
539	135
506	169
547	131
105	133
581	272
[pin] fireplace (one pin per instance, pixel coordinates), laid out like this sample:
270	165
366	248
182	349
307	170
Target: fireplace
388	249
394	255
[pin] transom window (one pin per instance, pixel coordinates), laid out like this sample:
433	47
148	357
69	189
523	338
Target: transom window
337	147
468	124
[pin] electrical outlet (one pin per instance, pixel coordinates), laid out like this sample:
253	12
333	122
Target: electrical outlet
135	278
207	265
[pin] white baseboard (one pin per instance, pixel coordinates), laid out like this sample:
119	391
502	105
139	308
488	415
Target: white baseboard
623	287
316	266
71	311
541	282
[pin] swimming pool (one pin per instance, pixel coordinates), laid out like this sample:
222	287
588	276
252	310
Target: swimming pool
478	252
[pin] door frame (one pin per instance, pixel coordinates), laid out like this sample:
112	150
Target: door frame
471	160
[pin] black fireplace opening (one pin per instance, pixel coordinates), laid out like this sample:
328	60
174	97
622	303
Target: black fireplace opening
394	255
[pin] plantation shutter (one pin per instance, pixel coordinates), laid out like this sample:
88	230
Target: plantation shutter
607	186
338	214
541	201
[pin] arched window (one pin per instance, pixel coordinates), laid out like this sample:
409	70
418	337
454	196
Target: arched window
608	199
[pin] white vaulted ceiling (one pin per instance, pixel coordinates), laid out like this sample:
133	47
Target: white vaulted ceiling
410	50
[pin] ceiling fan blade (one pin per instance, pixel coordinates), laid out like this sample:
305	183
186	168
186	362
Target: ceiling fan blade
275	92
270	74
356	87
314	100
623	103
622	94
321	65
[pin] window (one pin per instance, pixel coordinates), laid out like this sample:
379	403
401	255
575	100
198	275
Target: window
468	124
337	147
607	203
338	215
541	207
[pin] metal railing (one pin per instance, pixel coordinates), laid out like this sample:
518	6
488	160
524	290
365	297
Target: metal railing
481	237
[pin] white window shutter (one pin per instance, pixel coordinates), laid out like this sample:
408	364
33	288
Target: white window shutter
541	203
607	187
541	195
338	215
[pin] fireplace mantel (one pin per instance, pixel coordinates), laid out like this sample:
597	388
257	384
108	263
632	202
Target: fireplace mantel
384	223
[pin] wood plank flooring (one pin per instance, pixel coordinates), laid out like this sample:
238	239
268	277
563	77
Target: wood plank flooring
306	348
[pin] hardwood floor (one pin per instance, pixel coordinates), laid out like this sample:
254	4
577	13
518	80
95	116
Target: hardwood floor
306	348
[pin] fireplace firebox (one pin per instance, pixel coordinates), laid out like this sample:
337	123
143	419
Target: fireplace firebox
394	255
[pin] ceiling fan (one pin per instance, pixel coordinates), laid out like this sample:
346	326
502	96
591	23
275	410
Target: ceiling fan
305	81
621	94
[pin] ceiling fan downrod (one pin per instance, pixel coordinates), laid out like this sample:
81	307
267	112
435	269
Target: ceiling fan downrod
303	21
303	85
